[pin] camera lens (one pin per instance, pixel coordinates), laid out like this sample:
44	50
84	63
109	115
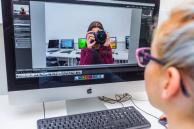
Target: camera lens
101	37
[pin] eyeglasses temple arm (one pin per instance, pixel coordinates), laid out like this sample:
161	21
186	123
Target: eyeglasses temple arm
183	88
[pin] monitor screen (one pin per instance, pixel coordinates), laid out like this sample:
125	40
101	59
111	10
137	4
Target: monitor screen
67	43
113	42
21	10
53	44
127	42
82	43
36	23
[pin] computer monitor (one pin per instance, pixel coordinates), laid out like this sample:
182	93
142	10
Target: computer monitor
127	42
82	43
30	80
53	44
67	44
113	42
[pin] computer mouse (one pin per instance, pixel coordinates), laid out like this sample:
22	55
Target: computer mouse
163	121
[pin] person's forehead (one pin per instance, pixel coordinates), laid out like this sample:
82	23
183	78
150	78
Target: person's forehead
96	29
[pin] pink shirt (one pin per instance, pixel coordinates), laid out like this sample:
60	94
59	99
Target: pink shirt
91	56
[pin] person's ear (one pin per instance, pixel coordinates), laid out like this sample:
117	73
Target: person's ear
172	85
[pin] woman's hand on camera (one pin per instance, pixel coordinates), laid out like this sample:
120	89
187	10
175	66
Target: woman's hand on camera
107	43
90	40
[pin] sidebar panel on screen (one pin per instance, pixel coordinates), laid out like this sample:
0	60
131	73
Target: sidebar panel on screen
22	34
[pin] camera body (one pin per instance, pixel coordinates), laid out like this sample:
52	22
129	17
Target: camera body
100	37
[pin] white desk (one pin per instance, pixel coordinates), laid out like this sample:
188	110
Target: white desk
119	57
25	116
69	57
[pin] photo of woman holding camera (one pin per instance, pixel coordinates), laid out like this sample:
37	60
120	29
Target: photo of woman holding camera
98	50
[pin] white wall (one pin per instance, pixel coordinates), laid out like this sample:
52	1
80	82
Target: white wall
166	5
72	21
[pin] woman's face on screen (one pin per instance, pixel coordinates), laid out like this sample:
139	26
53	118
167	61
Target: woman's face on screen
96	29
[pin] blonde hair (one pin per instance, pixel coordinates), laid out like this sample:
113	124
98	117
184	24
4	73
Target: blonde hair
175	39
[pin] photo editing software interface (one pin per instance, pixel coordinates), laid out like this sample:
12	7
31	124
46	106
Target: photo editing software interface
51	47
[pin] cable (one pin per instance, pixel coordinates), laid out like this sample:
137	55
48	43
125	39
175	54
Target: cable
43	105
143	110
147	112
118	99
122	104
124	98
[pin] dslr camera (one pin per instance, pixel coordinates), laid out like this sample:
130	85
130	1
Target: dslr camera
100	37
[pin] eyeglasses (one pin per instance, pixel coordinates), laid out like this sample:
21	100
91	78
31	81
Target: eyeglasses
143	56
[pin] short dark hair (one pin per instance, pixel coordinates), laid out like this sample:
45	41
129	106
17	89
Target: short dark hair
95	24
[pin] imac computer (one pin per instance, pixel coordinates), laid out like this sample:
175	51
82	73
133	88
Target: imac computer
67	45
28	31
113	42
127	42
53	45
82	43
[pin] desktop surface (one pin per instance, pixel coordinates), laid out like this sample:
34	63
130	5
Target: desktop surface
26	116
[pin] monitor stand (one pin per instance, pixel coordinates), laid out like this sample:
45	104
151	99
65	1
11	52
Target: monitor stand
84	106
